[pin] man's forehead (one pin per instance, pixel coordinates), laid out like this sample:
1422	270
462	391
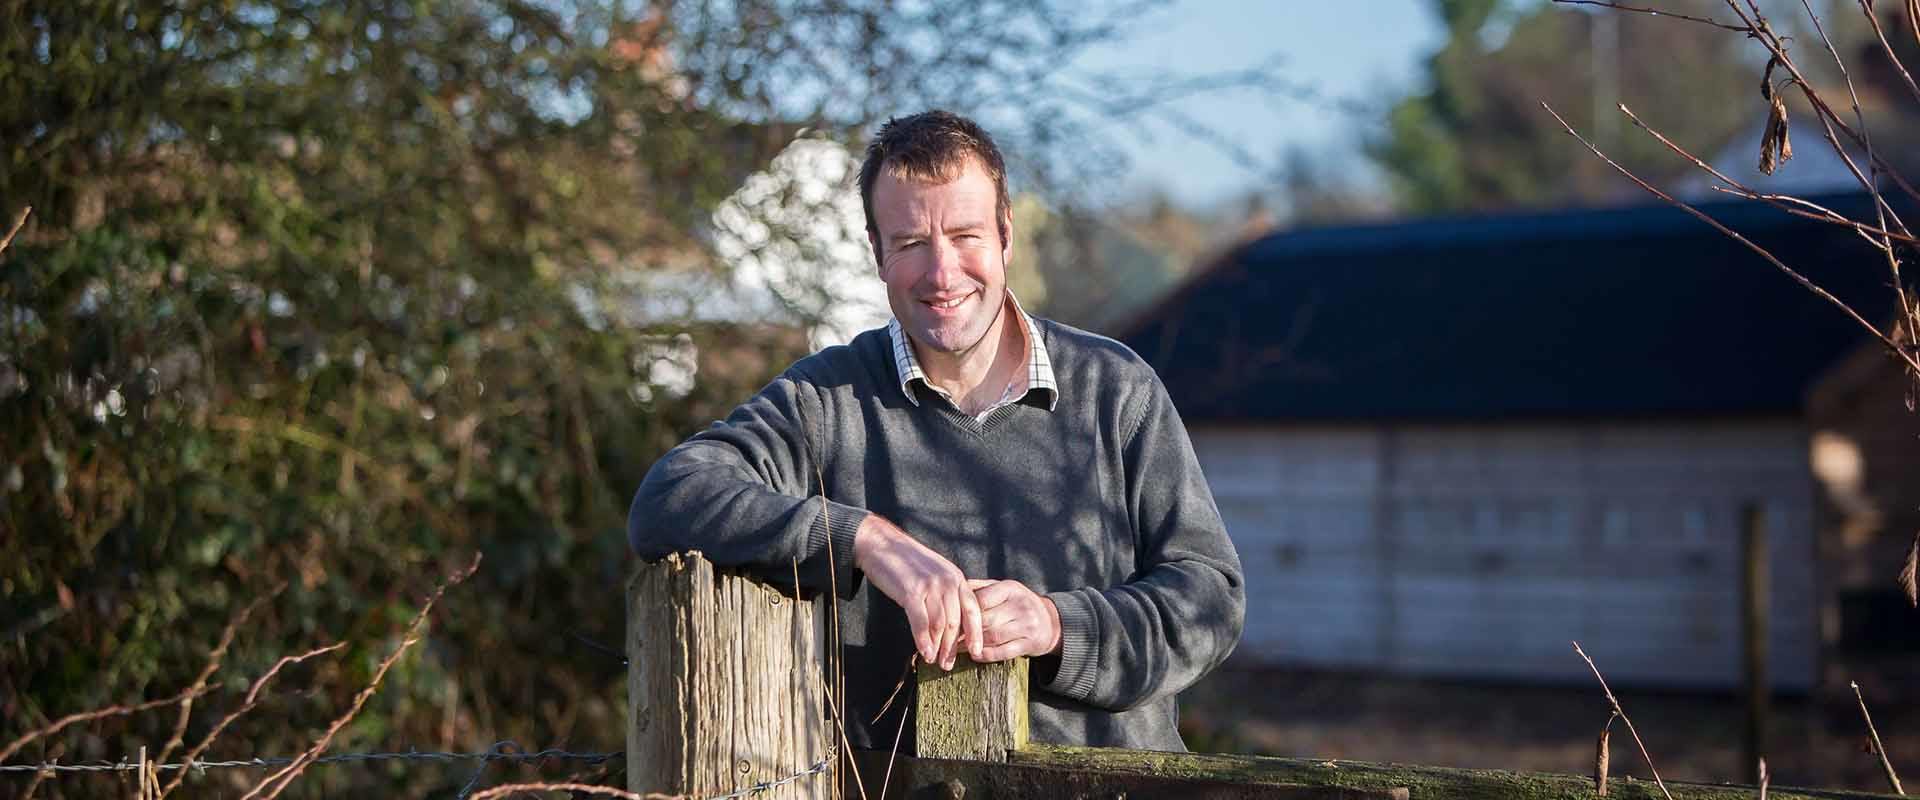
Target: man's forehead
969	185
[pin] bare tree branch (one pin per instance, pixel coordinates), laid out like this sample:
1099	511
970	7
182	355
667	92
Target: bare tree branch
1654	12
18	222
1893	778
1622	713
213	665
507	789
1912	359
280	780
1880	208
102	713
1783	202
253	698
1887	47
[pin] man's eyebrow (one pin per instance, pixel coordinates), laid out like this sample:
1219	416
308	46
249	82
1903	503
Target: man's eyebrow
962	227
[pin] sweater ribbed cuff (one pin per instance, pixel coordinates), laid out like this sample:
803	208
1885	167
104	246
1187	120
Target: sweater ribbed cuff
1079	646
836	523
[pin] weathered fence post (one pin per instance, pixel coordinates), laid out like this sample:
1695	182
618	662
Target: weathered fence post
724	683
976	712
1753	602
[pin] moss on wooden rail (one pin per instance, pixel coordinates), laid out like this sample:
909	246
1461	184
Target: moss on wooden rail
975	711
1438	783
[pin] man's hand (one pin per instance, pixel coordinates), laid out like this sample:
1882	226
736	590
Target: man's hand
1015	621
940	605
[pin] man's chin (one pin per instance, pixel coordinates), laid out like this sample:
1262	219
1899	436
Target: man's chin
947	341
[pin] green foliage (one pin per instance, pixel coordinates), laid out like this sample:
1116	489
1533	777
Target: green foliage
319	294
334	295
1477	138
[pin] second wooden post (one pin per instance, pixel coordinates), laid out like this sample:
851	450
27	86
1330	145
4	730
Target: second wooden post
977	712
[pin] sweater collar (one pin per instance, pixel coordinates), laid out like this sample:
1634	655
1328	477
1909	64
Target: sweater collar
1039	365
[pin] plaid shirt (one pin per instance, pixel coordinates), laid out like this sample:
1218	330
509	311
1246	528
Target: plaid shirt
1039	376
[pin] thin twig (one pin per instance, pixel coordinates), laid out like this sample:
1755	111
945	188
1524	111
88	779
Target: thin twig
1887	47
18	223
279	781
913	660
1626	719
1909	576
102	713
1776	200
1893	778
1654	12
1786	203
1911	359
607	791
839	685
1880	207
213	665
39	777
253	698
1913	19
1829	118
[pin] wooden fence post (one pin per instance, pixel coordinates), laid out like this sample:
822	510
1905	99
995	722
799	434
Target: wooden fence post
976	712
724	683
1753	603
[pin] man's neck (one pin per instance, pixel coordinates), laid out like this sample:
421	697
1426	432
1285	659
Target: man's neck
977	378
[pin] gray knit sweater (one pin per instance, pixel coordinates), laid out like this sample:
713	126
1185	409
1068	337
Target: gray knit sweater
1099	504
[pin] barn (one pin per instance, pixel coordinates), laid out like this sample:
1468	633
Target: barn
1449	447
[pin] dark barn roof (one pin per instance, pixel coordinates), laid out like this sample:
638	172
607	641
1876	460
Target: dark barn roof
1631	312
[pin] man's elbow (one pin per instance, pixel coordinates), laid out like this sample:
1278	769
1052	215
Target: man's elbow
647	536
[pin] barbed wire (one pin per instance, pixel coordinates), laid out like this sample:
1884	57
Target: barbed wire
495	754
500	751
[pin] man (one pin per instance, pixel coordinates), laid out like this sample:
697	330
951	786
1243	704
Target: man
971	479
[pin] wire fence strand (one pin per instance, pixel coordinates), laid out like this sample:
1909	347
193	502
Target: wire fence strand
279	761
502	751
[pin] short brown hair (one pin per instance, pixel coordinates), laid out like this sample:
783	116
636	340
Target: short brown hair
931	147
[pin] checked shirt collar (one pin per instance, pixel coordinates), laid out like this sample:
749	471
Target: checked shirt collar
1039	366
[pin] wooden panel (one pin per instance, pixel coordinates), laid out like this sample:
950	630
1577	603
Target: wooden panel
1483	550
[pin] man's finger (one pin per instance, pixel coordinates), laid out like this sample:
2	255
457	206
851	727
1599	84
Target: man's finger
977	584
970	612
922	636
1001	652
950	626
997	592
994	622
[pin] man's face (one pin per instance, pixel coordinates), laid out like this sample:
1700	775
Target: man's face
942	257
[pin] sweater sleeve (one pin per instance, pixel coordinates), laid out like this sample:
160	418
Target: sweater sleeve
1182	612
744	494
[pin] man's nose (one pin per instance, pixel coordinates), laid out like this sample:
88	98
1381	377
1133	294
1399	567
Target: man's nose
946	269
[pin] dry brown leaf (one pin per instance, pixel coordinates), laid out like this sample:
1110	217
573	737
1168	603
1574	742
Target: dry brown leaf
1600	761
1775	146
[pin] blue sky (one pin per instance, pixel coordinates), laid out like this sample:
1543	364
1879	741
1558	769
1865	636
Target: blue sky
1369	51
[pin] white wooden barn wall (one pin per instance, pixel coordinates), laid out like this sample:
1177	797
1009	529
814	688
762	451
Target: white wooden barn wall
1483	551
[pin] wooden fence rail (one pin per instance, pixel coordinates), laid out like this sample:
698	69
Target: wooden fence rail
726	690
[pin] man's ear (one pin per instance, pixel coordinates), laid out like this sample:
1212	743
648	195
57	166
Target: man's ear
1006	238
873	241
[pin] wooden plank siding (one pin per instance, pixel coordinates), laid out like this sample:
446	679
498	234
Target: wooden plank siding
1482	550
